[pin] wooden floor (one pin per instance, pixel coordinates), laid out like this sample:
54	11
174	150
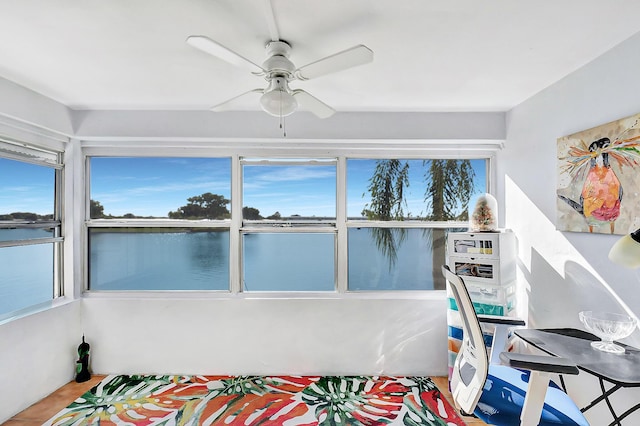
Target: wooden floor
443	384
42	411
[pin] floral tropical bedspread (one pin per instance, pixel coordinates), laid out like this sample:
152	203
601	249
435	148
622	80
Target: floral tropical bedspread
260	400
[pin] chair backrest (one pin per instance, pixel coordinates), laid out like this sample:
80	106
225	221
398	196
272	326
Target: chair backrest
472	364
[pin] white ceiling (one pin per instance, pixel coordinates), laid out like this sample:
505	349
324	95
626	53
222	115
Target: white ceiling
429	55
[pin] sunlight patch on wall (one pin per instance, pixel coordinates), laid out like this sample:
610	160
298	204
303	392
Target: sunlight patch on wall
537	234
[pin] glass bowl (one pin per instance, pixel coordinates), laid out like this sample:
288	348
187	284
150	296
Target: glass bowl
608	327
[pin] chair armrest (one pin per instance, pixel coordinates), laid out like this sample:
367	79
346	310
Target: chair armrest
550	364
501	326
495	319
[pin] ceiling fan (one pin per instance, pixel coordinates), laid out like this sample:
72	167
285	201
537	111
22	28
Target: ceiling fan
277	98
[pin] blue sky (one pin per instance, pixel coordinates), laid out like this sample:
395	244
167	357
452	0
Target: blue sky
26	188
155	186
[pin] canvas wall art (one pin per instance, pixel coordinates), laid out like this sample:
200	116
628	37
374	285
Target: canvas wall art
599	178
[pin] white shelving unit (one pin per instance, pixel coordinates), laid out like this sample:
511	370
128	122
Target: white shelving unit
487	263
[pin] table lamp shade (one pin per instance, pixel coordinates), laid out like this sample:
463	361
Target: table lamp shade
626	251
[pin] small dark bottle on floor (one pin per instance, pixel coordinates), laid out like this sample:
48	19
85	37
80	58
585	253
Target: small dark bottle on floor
82	364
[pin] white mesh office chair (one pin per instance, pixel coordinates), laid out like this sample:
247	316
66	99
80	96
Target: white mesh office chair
518	393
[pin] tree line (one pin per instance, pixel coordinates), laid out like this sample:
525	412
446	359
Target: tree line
204	206
26	216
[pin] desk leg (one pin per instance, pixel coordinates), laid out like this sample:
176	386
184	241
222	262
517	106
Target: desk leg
625	414
564	387
605	396
616	420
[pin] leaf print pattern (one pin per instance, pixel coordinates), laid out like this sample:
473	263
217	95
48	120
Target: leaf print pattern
260	400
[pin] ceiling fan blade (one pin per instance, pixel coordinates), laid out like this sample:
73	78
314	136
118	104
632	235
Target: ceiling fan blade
312	104
228	105
214	48
357	55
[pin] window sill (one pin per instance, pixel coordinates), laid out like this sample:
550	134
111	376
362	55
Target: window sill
276	295
35	309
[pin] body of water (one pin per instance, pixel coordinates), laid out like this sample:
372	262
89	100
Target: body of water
26	272
135	259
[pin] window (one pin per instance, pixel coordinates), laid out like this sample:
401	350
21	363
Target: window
293	246
399	212
159	259
391	258
159	223
30	227
260	223
160	188
287	261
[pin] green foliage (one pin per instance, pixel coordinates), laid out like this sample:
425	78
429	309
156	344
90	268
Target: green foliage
275	216
251	213
96	210
449	186
205	206
26	217
386	188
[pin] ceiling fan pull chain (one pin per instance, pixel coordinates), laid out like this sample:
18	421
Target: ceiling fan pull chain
282	118
280	107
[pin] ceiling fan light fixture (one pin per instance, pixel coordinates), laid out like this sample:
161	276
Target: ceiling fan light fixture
278	100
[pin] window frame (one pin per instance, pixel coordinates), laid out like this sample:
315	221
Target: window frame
324	227
28	153
144	223
282	149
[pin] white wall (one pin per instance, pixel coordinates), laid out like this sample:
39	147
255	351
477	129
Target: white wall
29	107
564	272
37	356
446	126
267	336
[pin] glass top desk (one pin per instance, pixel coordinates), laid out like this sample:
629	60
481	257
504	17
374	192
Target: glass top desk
620	370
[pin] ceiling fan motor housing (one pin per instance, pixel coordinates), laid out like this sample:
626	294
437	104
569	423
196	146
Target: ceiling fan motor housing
278	63
278	98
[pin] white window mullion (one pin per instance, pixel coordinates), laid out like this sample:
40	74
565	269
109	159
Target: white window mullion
235	239
342	264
